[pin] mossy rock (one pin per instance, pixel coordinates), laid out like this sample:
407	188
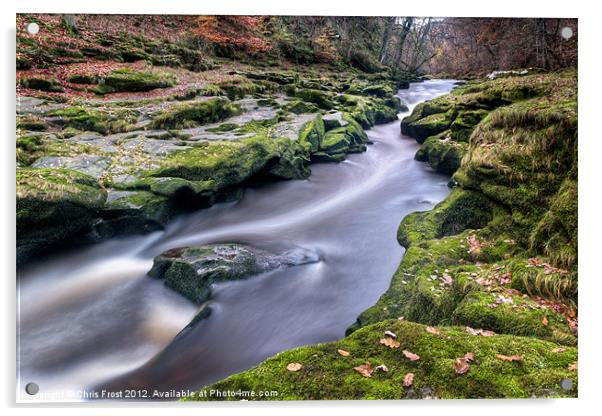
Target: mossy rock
194	114
23	63
103	121
227	163
462	209
42	84
320	98
325	374
442	153
83	79
191	271
293	162
133	212
312	134
425	127
301	107
126	80
31	123
52	206
32	147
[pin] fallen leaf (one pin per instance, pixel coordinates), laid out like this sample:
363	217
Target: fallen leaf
544	321
365	369
509	358
461	366
294	367
573	367
389	342
469	356
447	279
559	349
401	318
474	244
432	330
390	334
472	331
410	355
343	353
408	380
482	332
383	368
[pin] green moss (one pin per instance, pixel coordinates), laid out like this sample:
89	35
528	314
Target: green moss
442	153
83	79
31	123
326	375
320	98
126	80
312	133
23	63
300	107
226	162
462	209
53	205
239	88
342	140
193	114
103	121
42	84
378	90
31	148
135	212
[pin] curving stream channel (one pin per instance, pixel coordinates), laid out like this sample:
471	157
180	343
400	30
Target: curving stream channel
91	319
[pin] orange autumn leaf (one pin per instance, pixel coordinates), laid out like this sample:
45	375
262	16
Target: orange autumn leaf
410	355
509	358
343	353
432	330
389	342
294	367
559	349
461	366
408	380
544	321
365	369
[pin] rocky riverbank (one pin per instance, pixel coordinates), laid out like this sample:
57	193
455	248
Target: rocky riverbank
484	303
118	144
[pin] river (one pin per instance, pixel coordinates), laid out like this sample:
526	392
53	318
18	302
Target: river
91	319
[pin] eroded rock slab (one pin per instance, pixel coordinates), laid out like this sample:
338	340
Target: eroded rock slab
191	271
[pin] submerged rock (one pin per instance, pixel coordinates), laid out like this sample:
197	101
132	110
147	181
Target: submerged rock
192	270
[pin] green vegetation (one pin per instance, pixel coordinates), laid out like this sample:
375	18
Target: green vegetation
31	148
53	205
196	113
103	121
326	374
42	84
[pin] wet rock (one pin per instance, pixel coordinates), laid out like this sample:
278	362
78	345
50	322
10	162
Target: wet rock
92	165
54	205
192	270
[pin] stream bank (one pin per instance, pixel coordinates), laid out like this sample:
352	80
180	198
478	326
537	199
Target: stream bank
484	302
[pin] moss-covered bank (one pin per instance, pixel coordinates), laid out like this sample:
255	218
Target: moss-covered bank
492	269
327	370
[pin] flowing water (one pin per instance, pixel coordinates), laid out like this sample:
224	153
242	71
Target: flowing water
91	319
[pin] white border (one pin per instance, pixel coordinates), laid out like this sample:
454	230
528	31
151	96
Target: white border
590	153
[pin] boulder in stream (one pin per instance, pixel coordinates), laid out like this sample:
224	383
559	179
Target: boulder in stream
191	271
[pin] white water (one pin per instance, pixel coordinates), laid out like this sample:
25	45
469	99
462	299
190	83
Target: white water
92	319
